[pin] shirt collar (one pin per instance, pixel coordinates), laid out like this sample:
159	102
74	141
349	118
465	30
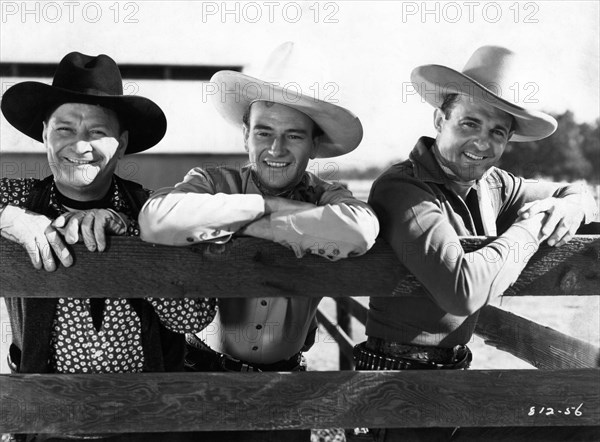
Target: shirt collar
117	201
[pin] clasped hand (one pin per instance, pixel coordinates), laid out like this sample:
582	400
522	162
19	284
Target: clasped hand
562	220
45	240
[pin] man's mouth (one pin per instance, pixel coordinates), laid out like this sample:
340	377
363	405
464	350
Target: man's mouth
276	164
79	162
472	156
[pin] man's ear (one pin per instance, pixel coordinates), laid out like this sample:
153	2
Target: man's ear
44	132
123	141
246	132
438	119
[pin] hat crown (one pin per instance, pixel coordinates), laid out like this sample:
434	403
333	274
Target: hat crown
296	69
85	74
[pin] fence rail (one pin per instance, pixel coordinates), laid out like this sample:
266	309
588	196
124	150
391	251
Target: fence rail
564	395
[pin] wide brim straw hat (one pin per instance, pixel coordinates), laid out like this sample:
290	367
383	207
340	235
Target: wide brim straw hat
81	78
286	80
491	75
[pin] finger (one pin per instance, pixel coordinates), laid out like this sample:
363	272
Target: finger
60	221
533	208
46	254
59	247
87	231
99	233
34	254
72	230
562	234
551	222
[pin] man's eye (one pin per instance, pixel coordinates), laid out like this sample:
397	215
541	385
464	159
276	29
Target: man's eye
64	129
295	137
262	134
499	133
98	132
469	124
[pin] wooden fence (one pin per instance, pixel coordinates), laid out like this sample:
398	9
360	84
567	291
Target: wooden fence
568	385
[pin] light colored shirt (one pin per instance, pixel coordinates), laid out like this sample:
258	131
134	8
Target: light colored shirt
422	218
213	204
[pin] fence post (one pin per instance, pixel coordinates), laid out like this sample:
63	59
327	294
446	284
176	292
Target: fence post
344	319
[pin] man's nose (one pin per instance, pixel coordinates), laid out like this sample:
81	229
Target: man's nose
82	146
483	143
277	147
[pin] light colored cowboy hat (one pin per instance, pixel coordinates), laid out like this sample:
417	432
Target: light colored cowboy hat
285	81
81	78
489	75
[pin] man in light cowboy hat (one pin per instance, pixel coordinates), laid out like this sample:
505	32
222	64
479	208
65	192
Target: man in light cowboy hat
448	188
274	198
86	125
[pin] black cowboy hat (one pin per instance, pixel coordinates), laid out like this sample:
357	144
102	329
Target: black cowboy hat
81	78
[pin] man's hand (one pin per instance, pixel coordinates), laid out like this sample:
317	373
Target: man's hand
90	225
36	234
563	220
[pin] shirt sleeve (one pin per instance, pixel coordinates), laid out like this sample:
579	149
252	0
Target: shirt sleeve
195	211
426	242
338	227
188	315
520	191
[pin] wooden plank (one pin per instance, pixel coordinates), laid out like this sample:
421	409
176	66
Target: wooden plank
344	341
152	402
265	269
541	346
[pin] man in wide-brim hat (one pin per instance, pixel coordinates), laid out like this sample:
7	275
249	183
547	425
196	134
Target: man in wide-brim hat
274	198
86	125
449	187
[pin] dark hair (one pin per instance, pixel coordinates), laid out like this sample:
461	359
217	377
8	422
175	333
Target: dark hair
450	102
316	132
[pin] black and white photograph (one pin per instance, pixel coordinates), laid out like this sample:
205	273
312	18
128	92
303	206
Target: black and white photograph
318	221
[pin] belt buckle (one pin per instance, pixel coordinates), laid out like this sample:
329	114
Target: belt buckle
229	363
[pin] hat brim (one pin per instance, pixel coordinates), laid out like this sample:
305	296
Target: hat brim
26	104
434	82
343	131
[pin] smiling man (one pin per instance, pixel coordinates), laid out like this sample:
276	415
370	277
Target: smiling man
449	187
273	198
86	125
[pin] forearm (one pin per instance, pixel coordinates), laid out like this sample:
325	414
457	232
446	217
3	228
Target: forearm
333	231
173	216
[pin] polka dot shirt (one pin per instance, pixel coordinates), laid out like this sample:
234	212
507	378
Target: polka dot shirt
116	347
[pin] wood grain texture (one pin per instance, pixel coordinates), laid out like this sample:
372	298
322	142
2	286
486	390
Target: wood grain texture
212	401
132	268
541	346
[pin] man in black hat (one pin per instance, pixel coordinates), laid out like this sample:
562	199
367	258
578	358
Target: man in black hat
86	125
449	187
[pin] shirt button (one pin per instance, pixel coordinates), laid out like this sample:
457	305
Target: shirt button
255	348
189	239
258	327
216	232
263	303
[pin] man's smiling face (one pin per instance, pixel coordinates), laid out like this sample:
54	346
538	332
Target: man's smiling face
472	136
279	141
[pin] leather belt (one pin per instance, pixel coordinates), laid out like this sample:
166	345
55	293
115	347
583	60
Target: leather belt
367	359
200	357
